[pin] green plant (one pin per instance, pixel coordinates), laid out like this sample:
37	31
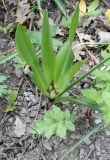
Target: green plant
55	72
3	86
54	122
11	99
91	10
7	28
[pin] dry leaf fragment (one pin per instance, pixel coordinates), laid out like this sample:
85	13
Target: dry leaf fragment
82	6
22	11
19	127
107	14
104	36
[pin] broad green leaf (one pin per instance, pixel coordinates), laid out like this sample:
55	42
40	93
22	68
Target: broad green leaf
63	62
27	53
36	37
73	25
94	13
25	48
93	6
12	97
48	56
91	94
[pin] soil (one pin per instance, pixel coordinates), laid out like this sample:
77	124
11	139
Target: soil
31	104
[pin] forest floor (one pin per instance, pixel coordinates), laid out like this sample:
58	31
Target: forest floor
31	104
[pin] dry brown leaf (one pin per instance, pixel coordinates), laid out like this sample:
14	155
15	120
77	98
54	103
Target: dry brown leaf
78	51
19	127
22	11
82	7
107	14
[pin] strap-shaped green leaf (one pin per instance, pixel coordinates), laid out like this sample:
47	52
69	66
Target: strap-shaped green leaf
48	56
63	62
28	54
73	25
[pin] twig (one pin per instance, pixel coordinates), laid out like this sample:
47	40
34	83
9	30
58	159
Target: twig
6	52
24	151
89	154
31	22
96	61
106	3
38	108
3	2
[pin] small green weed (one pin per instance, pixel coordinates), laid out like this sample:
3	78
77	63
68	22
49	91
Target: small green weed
11	99
54	122
7	28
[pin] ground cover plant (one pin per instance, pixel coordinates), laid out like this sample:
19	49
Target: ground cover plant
49	79
54	73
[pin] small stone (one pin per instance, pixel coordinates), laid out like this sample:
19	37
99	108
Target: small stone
81	152
23	111
96	112
97	121
47	146
27	94
32	97
10	119
29	104
87	141
107	133
32	114
91	147
98	146
27	98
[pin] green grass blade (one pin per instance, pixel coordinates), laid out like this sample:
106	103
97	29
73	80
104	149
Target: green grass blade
81	101
73	25
78	143
61	7
84	76
93	6
28	54
48	56
8	57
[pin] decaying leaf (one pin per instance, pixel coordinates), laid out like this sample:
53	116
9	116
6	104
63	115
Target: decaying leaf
19	127
22	11
82	6
107	14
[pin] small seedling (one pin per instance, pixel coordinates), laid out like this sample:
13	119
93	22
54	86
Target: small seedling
54	122
7	28
11	99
